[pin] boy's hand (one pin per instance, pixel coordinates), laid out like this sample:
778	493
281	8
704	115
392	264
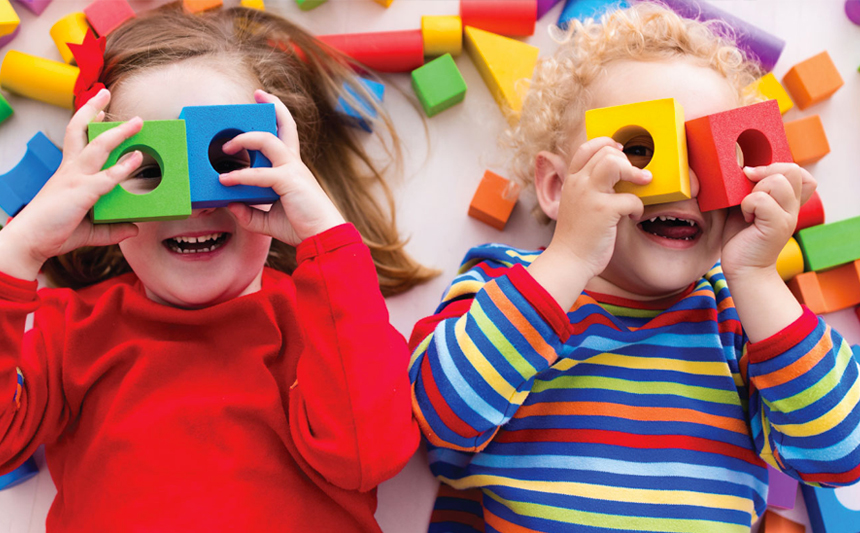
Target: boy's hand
56	221
756	234
588	216
304	209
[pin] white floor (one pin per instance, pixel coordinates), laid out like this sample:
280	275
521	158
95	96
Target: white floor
442	171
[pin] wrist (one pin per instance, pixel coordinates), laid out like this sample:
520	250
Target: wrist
562	274
17	259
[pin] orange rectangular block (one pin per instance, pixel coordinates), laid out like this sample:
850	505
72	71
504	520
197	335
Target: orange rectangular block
807	140
196	6
494	200
812	80
806	289
840	286
772	522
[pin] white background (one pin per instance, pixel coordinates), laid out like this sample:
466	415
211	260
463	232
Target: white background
442	170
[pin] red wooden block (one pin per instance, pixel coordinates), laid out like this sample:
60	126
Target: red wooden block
389	51
507	17
712	151
105	16
494	200
811	213
775	523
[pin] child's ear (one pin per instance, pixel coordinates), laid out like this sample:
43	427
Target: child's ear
550	171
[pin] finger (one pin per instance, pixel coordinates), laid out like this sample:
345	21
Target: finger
107	234
760	207
262	141
250	218
587	151
106	180
256	176
287	129
611	166
782	191
627	204
95	154
76	132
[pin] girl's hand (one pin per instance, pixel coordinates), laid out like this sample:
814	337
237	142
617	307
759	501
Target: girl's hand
304	209
56	221
757	232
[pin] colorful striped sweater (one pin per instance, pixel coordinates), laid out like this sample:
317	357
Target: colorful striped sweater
621	415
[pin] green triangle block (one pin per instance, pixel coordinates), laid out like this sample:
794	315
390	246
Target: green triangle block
438	85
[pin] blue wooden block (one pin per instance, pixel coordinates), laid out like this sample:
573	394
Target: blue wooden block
203	124
22	183
829	515
350	114
19	475
583	9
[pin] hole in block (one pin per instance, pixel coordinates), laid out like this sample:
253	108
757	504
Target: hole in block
755	149
222	162
638	145
148	175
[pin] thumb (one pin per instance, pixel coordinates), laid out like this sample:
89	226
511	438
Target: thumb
250	219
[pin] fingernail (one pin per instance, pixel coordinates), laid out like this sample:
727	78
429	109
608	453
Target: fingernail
647	174
749	170
620	146
125	158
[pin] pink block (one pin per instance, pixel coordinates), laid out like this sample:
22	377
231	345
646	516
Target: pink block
782	491
106	15
36	6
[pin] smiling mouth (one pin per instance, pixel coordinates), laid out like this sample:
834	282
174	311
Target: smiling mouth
668	227
196	245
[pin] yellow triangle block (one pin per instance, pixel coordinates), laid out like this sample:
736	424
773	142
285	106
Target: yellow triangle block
769	87
506	66
8	18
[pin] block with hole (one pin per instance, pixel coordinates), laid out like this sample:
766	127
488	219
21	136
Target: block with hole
811	213
587	9
105	16
829	245
832	510
769	87
506	66
515	18
790	260
387	51
438	85
5	109
38	78
70	29
721	144
351	113
494	200
9	20
807	139
207	129
35	6
253	4
813	80
165	196
198	6
19	475
772	522
782	488
442	35
656	126
307	5
26	179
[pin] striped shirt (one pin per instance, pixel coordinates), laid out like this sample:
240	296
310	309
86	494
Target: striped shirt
621	415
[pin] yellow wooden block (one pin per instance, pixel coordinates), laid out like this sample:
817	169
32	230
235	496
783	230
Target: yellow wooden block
8	18
790	260
664	121
70	29
385	3
253	4
38	78
506	65
442	35
770	88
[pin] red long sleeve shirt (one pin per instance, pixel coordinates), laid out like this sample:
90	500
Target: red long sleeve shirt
276	411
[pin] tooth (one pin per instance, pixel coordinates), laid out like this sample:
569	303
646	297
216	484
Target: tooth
671	218
663	218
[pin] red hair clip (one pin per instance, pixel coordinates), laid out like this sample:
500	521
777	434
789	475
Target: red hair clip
90	57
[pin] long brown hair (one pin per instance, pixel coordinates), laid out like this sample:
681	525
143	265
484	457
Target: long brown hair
308	77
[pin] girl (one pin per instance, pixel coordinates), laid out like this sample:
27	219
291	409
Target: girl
619	380
193	388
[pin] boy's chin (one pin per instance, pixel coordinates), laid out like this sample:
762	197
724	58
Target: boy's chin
650	283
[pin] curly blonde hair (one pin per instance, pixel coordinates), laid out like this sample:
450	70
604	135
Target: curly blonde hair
559	93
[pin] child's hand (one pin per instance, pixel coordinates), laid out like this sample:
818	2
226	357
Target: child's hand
757	232
56	221
588	216
304	210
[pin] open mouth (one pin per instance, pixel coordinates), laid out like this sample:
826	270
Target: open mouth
669	227
196	245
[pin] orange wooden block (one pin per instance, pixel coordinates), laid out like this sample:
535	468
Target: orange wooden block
776	523
807	140
196	6
812	80
829	290
494	200
807	290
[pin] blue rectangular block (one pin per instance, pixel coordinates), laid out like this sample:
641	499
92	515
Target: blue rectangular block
22	183
583	9
204	124
19	475
350	114
828	513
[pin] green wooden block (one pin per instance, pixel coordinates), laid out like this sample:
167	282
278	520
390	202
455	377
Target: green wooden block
830	245
5	109
307	5
439	85
171	199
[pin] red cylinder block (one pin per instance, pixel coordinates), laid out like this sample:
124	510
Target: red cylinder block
505	17
389	51
811	213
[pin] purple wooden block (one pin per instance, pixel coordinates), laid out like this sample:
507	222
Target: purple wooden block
36	6
782	489
544	6
852	9
7	38
760	45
